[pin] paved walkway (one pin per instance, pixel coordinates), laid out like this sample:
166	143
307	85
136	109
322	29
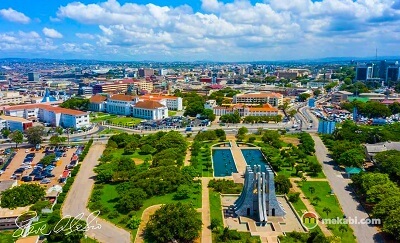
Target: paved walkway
186	162
346	197
310	208
238	157
206	235
145	218
78	197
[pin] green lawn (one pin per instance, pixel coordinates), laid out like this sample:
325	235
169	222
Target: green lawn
299	207
102	117
125	120
322	190
7	236
120	152
110	131
172	113
215	205
110	196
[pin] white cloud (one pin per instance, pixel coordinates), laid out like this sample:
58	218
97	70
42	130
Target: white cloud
85	36
52	33
14	16
238	30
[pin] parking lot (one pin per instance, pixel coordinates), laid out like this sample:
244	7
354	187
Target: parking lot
173	122
23	155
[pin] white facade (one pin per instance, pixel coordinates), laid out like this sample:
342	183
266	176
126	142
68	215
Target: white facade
120	105
55	116
150	114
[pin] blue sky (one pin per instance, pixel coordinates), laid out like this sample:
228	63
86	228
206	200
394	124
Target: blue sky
236	30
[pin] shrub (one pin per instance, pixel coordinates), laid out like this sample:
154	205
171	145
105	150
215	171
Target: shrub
113	215
294	197
134	222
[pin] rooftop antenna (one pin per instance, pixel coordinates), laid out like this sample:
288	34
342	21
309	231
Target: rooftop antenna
376	54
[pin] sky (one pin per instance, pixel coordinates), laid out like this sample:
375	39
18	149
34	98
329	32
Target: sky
195	30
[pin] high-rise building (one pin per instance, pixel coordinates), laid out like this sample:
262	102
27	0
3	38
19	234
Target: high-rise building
364	72
392	74
34	77
146	72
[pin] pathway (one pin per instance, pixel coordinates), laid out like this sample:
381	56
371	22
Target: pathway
346	197
78	197
206	235
238	157
188	155
309	206
145	218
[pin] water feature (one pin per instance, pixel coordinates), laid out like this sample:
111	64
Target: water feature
223	162
254	157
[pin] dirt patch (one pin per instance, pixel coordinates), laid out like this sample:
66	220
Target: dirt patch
145	217
292	140
138	161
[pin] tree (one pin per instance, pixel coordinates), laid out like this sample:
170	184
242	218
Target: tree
243	131
17	137
316	199
282	184
383	208
48	159
292	113
215	224
146	149
304	97
21	196
342	229
132	200
389	162
35	135
173	222
311	189
134	222
5	132
317	92
209	114
352	158
76	104
56	140
392	224
68	230
394	108
131	147
379	192
39	205
326	210
294	197
183	192
315	167
271	136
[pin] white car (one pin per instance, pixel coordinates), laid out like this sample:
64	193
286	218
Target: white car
27	167
1	172
26	150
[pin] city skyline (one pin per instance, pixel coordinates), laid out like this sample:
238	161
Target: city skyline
220	31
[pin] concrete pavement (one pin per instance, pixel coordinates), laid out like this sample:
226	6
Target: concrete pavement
206	235
78	197
346	197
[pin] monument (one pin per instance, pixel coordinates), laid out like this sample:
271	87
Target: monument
258	198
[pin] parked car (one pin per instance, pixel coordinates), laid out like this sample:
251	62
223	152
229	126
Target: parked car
45	181
26	178
38	177
1	172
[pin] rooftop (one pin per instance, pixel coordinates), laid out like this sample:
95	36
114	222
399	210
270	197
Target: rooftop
46	107
260	95
97	98
122	97
5	212
148	104
14	118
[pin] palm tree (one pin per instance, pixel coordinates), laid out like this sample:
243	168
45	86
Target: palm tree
311	189
316	200
326	210
342	229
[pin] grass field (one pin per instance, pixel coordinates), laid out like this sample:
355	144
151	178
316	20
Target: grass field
136	155
323	191
7	236
110	131
110	197
172	113
125	120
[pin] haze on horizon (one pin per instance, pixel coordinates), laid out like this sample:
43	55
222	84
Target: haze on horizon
179	30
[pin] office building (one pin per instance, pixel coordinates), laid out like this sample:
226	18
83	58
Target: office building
172	102
10	98
33	77
150	110
244	110
114	88
146	72
392	74
53	116
274	99
146	86
14	123
97	103
121	104
85	90
364	72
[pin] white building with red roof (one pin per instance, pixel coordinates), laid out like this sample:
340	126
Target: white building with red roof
274	99
54	116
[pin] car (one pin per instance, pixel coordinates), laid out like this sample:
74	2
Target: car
62	180
1	172
14	177
26	178
38	177
26	167
19	171
26	150
45	181
48	175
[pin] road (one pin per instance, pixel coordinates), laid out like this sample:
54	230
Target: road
351	207
78	197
